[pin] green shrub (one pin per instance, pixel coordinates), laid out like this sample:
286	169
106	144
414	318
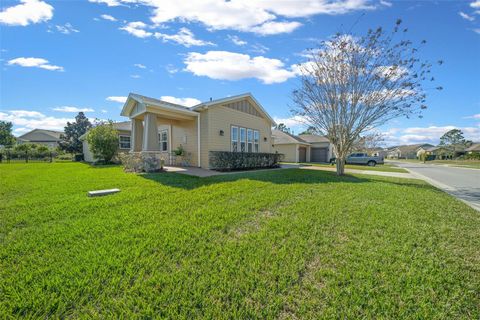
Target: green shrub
473	156
227	161
64	156
103	141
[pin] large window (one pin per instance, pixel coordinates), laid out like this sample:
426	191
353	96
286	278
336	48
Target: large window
234	135
124	142
163	138
256	138
250	140
243	139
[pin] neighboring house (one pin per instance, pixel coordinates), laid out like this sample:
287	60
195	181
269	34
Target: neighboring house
407	151
124	143
474	148
378	152
238	123
302	148
50	138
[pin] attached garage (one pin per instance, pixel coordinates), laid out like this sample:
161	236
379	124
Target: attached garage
319	154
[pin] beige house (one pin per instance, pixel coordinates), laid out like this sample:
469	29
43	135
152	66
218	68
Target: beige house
236	124
49	138
302	148
124	143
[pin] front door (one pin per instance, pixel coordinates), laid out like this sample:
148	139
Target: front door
302	154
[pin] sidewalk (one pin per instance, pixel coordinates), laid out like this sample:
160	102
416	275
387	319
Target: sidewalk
375	173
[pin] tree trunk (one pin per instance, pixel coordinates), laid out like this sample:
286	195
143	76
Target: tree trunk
340	166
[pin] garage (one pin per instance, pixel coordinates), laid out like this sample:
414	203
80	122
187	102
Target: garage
319	154
302	154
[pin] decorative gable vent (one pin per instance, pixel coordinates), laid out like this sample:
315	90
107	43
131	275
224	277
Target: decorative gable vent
244	106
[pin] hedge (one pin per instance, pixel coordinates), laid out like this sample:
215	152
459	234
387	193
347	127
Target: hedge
227	161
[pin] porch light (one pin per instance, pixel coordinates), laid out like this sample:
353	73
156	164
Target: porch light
265	139
222	133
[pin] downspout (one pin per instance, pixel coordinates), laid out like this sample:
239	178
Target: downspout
198	140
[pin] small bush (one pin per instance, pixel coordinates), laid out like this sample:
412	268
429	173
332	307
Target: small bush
227	161
103	141
473	156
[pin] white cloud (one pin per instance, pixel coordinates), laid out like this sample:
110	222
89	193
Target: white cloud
104	111
135	76
29	11
136	29
224	65
259	48
188	102
429	134
466	16
139	65
72	109
108	17
67	28
35	63
184	37
120	99
274	27
244	15
236	40
29	120
294	122
385	3
110	3
475	4
171	68
477	30
475	116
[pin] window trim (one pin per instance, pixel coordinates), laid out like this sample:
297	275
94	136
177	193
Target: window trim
250	140
234	140
244	140
256	144
120	142
160	141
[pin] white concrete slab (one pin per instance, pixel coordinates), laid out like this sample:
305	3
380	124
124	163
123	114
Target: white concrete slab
99	193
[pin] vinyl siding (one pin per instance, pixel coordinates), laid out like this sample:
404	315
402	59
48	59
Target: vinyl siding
181	132
220	117
289	151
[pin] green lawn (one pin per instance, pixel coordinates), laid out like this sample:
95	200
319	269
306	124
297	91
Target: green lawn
387	167
271	244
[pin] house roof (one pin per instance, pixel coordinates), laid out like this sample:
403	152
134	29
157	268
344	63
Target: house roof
123	126
312	138
232	98
134	97
281	137
46	135
413	147
474	147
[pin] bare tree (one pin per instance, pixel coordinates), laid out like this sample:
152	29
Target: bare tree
369	142
352	84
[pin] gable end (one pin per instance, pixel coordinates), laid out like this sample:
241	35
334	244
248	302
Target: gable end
244	106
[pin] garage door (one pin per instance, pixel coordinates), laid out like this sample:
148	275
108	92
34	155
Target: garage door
302	154
319	154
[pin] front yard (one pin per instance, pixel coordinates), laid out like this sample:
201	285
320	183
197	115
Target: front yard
272	244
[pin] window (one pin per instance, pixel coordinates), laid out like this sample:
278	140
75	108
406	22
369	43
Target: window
256	139
163	138
242	139
234	136
250	140
124	142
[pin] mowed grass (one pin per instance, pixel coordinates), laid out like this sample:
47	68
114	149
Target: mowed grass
271	244
387	167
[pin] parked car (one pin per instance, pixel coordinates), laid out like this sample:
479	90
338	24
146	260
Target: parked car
361	158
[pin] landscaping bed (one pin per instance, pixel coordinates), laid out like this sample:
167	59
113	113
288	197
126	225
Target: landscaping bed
272	244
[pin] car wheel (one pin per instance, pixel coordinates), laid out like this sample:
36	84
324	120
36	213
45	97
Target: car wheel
371	163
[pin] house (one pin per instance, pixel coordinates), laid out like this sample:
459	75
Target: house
50	138
302	148
474	148
124	143
407	151
238	124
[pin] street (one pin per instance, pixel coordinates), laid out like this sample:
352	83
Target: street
463	183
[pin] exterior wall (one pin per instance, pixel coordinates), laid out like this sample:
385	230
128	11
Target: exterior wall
218	118
88	155
289	151
181	132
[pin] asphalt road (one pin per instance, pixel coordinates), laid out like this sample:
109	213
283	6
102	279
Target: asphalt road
463	183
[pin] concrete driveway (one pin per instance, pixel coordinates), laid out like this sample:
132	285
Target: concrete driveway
463	183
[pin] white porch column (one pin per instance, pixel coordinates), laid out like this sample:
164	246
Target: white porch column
137	135
150	133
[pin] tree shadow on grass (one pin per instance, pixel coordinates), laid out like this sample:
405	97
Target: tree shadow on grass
285	176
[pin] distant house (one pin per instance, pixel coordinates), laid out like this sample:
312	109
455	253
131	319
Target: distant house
302	148
407	151
49	138
474	148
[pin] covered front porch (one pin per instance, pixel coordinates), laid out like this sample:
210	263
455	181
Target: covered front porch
163	131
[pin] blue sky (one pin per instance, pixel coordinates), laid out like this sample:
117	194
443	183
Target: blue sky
58	57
